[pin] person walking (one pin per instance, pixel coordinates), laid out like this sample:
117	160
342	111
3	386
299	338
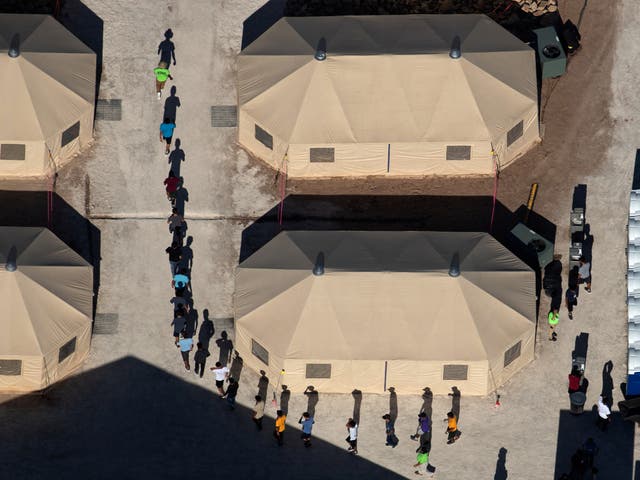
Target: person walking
172	183
571	300
180	282
389	429
258	412
186	345
553	317
423	459
584	274
221	374
176	223
179	323
352	438
604	413
278	433
166	133
423	426
307	422
162	73
200	359
175	254
452	431
232	391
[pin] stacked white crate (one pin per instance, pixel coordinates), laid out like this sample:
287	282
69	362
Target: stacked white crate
633	282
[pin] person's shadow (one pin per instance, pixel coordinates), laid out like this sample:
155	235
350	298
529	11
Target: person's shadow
393	404
171	105
166	49
263	384
501	465
312	399
357	402
182	197
587	245
187	255
191	327
205	334
236	366
455	402
176	157
285	395
607	382
226	348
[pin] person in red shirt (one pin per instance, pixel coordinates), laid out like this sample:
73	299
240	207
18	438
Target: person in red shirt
172	184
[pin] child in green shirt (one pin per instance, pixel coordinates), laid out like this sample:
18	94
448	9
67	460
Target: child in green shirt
161	73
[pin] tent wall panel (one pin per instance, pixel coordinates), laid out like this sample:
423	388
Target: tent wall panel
410	377
349	159
30	378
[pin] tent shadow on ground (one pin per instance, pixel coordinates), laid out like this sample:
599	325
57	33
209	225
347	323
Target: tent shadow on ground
29	209
615	458
129	419
88	27
395	212
261	20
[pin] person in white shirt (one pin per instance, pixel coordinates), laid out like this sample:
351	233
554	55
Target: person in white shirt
352	439
221	373
604	413
584	274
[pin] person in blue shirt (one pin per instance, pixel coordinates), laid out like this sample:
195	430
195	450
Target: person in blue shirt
185	345
166	133
180	282
307	422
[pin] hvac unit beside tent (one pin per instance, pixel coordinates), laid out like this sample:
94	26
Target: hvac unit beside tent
553	61
542	246
633	283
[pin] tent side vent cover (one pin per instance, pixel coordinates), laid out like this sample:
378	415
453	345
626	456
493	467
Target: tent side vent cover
515	133
224	116
12	151
513	353
260	352
105	324
70	134
455	372
264	137
322	155
10	367
318	370
67	349
109	110
458	152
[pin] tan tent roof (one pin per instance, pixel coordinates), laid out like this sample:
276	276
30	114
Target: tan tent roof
45	90
47	301
388	98
378	290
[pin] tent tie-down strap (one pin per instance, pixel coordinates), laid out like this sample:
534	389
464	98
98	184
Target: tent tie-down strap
282	188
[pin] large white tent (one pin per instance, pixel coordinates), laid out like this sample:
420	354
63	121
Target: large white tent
343	310
47	93
47	303
388	99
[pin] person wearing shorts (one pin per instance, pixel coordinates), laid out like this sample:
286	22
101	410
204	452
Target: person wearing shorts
221	374
166	133
307	422
161	73
584	274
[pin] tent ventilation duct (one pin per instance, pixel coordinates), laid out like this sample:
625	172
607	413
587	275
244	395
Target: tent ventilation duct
455	51
14	48
454	268
318	268
321	51
11	265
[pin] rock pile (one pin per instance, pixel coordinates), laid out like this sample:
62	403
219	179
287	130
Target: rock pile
538	7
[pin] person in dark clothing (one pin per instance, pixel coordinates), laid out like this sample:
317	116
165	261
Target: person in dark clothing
166	49
200	359
232	391
179	322
423	426
175	254
389	428
571	300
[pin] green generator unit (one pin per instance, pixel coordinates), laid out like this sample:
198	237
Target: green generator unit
553	60
540	245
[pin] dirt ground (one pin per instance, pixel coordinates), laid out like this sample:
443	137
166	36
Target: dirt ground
134	405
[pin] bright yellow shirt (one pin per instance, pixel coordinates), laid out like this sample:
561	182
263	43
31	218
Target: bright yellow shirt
280	423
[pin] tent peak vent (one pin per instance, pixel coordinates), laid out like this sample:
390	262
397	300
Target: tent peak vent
454	268
12	265
14	48
321	50
318	267
455	51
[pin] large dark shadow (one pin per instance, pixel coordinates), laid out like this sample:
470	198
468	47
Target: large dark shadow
260	21
615	458
31	209
501	465
120	421
88	27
